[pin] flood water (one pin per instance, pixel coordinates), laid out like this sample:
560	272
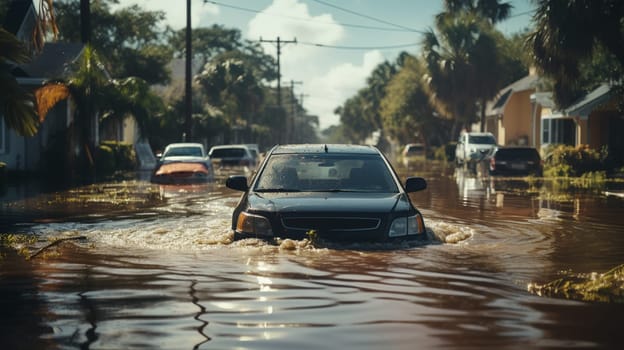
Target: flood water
144	266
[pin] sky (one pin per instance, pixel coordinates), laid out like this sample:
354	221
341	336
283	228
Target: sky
339	42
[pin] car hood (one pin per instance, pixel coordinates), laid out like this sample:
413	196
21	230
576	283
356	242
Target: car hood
181	167
192	159
342	202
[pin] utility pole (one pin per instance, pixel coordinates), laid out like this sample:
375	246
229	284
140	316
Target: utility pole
188	120
279	52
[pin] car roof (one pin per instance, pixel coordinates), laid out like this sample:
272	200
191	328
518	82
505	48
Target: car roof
185	144
324	148
229	146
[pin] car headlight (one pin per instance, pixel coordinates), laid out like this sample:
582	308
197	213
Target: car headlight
407	225
253	224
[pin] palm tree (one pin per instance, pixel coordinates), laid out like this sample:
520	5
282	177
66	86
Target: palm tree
492	10
464	68
111	99
16	104
569	33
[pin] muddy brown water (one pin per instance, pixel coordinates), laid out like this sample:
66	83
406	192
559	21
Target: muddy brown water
155	268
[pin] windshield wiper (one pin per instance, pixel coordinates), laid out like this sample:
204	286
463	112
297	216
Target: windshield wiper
278	190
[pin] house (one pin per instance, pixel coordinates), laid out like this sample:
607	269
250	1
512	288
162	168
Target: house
521	116
53	61
25	153
510	116
593	120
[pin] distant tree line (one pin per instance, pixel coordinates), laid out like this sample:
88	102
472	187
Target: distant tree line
420	97
430	96
131	52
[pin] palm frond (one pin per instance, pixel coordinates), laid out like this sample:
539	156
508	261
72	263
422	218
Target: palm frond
12	49
48	96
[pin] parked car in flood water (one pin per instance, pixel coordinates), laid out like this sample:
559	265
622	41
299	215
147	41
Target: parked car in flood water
341	192
232	155
472	147
183	163
519	161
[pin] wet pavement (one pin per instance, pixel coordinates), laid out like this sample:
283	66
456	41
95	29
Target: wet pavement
127	265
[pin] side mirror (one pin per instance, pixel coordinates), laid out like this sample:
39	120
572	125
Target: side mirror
237	182
415	184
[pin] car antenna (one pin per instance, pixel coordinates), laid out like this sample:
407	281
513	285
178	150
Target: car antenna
325	148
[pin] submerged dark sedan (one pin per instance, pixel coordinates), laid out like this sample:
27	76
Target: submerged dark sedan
341	192
519	161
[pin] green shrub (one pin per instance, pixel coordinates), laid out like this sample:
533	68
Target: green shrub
565	161
123	152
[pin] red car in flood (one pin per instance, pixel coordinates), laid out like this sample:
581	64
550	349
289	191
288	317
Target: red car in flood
183	163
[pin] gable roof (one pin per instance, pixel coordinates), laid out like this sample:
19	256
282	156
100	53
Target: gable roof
588	103
52	62
497	105
21	20
16	14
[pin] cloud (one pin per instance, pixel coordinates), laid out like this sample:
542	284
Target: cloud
327	82
341	82
291	19
175	12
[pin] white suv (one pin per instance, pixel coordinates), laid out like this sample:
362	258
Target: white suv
474	146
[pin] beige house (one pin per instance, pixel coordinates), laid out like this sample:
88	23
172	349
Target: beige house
593	120
521	116
512	117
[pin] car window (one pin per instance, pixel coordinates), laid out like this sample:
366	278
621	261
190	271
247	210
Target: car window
481	139
183	151
228	153
359	173
415	149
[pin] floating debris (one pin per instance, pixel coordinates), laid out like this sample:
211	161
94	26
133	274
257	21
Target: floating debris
606	287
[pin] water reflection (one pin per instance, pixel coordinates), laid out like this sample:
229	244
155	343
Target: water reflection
165	273
202	310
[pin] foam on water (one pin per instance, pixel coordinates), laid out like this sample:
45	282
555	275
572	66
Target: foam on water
200	232
449	233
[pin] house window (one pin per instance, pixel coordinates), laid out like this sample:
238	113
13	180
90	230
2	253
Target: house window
558	131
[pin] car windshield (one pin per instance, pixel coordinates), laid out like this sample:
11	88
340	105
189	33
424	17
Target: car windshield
481	139
415	149
326	173
228	153
183	151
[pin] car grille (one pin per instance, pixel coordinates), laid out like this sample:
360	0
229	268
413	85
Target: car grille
329	224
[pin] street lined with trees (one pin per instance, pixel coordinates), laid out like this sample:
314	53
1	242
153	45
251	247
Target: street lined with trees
425	97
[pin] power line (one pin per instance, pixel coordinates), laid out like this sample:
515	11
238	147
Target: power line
368	17
359	26
530	12
388	47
